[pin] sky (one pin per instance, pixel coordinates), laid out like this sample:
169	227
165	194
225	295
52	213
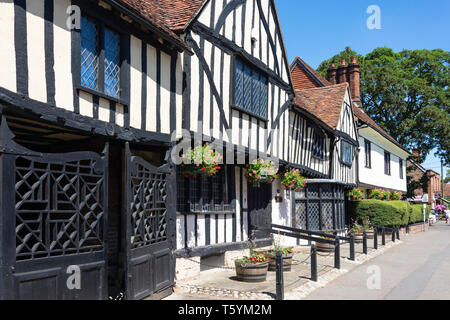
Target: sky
317	30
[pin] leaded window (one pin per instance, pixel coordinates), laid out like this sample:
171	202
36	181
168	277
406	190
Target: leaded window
320	207
250	90
347	157
100	43
318	148
203	194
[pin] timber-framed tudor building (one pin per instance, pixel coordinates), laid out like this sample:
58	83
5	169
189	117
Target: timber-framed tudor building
91	93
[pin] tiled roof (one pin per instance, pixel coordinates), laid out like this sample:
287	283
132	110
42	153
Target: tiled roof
313	74
364	117
169	16
323	103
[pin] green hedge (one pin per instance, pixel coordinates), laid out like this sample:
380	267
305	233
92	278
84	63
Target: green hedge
386	213
417	213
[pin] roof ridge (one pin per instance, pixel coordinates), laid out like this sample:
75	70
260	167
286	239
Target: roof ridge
344	84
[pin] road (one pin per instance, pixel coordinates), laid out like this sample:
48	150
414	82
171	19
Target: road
419	268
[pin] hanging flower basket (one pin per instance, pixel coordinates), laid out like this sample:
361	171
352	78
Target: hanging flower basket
293	180
261	171
201	161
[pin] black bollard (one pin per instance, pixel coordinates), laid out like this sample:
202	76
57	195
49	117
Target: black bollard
364	242
375	238
337	253
352	247
279	279
383	236
313	263
393	234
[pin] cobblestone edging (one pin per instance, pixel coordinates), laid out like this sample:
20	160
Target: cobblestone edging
306	289
223	293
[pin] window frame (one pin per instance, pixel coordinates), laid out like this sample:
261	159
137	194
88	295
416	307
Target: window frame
318	150
387	163
101	27
193	202
348	164
260	73
400	161
124	56
367	154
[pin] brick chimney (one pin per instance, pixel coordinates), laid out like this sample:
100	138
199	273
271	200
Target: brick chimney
354	76
342	72
331	75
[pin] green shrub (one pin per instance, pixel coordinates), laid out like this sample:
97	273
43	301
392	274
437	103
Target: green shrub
417	213
381	213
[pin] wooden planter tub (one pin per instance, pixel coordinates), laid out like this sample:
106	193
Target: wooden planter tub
324	247
287	261
251	272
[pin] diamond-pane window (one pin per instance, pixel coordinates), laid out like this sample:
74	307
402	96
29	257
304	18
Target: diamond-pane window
250	92
100	58
89	54
112	59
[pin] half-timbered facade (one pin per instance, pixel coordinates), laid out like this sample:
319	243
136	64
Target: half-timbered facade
96	96
237	93
324	146
90	92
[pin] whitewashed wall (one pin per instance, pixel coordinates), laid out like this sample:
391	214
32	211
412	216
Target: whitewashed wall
375	175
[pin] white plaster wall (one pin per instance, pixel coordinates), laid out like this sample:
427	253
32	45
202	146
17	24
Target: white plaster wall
282	212
375	175
36	53
7	48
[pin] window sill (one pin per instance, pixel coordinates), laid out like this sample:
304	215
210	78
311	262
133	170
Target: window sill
347	164
102	95
318	158
254	115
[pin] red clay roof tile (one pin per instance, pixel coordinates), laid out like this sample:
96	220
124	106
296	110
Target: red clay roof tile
325	103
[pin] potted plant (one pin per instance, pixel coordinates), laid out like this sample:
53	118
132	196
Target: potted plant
286	254
261	171
325	247
293	180
357	230
202	160
252	268
356	194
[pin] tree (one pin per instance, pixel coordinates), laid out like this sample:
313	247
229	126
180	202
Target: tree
447	178
407	94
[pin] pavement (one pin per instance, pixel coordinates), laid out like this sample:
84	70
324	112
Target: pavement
221	284
417	269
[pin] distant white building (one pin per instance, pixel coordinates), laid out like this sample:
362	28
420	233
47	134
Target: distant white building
382	161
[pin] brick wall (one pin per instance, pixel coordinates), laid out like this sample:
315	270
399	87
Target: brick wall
302	80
